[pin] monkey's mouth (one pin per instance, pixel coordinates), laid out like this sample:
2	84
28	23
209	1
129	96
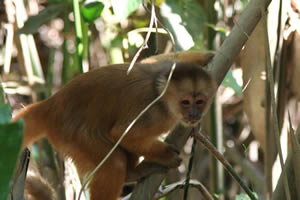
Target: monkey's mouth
190	122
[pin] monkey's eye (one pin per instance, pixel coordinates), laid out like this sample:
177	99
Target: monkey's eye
185	102
200	102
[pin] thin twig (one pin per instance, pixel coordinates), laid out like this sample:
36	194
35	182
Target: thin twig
164	191
171	37
188	174
225	163
152	19
8	48
296	152
155	21
273	104
146	29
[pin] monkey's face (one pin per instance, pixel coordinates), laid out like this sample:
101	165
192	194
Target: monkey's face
189	93
189	98
191	107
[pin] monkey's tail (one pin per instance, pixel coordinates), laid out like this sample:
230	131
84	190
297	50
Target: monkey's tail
34	123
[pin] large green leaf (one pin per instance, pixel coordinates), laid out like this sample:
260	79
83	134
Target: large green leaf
185	20
34	22
11	136
1	95
124	8
5	113
92	10
5	110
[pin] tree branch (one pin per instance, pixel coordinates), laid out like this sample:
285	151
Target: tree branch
218	67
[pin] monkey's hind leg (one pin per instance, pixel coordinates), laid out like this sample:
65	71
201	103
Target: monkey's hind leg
107	183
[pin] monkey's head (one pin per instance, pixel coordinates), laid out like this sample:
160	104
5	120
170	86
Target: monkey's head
190	91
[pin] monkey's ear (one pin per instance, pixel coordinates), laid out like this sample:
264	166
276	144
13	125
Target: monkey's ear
161	77
161	81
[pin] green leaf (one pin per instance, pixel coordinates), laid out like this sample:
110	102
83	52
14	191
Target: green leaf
185	20
124	8
243	196
92	10
244	3
156	2
5	113
1	94
221	30
10	145
34	22
230	81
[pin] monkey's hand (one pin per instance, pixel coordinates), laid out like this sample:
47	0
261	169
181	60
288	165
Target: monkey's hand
170	158
164	154
152	149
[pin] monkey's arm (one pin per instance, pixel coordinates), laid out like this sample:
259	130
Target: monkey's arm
144	142
199	57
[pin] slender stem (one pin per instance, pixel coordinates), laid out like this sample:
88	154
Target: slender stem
275	122
188	175
225	163
79	34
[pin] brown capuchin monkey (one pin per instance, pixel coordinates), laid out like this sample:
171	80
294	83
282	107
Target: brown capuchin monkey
88	115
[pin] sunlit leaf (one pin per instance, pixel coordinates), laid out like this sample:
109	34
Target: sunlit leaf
222	31
92	10
243	196
185	20
10	145
156	2
230	81
34	22
124	8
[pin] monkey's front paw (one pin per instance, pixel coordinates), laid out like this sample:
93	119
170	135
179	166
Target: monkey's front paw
174	148
172	158
174	162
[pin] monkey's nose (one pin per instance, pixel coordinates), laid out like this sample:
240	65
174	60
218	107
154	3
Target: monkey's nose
194	115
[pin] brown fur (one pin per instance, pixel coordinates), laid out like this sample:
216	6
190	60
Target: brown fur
87	116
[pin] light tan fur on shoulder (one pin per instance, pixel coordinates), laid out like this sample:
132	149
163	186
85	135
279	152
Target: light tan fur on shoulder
198	57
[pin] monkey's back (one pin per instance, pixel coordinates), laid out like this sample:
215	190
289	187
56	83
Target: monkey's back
95	101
